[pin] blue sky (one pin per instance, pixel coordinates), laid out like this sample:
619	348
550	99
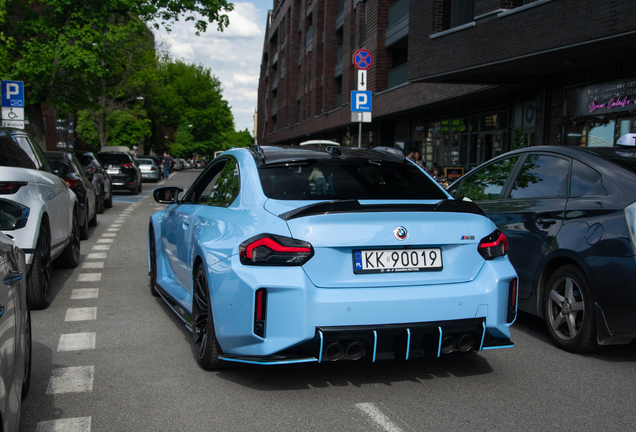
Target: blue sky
234	56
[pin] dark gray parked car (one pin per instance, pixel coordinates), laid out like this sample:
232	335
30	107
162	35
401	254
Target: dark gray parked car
99	177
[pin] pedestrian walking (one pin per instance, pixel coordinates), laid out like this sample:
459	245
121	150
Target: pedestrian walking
166	165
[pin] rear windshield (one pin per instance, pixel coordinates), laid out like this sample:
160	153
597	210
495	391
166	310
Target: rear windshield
347	179
114	159
144	161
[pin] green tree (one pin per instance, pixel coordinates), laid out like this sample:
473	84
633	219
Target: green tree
187	109
123	128
78	54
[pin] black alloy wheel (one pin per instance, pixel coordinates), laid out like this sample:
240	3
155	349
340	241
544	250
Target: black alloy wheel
206	346
569	310
70	257
108	203
26	381
39	278
153	263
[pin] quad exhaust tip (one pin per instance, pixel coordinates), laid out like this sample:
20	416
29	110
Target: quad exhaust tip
354	351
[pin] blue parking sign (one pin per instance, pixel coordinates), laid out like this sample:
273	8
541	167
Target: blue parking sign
13	94
360	101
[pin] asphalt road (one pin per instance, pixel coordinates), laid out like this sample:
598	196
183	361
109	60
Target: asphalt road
107	356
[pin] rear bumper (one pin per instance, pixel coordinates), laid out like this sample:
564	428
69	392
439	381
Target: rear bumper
385	342
150	175
298	313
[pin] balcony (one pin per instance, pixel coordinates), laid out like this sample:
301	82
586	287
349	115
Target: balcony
398	22
398	75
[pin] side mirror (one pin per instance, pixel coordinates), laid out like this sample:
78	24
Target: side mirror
167	194
13	215
61	168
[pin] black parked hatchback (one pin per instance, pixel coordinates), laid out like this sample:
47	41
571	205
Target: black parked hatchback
569	214
123	171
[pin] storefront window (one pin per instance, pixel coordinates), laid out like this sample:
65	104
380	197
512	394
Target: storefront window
601	135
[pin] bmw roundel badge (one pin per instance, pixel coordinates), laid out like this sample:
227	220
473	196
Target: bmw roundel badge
400	233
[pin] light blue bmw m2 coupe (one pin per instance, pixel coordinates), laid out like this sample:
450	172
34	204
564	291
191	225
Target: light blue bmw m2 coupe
279	255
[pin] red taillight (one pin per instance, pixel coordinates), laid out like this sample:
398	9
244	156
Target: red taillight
493	246
275	250
71	182
9	188
512	301
153	168
127	165
259	312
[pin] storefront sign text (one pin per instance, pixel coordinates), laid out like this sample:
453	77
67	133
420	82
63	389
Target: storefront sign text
598	99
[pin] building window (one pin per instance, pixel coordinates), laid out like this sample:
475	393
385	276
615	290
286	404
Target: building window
462	12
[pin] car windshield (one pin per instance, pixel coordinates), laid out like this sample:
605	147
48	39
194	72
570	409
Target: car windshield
85	160
338	179
114	159
144	161
55	157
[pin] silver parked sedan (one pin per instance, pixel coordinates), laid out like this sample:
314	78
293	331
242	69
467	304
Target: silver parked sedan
149	169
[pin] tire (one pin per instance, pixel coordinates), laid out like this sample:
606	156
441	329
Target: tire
93	221
26	382
39	277
84	226
70	257
206	346
141	186
569	310
99	206
153	263
109	202
135	191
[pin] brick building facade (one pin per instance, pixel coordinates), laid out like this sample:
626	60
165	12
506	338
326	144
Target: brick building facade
460	80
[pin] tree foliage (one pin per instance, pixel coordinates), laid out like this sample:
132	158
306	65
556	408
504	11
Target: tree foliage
188	110
123	128
85	54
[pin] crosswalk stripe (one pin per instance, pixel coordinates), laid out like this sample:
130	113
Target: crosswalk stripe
84	293
81	314
77	424
77	342
77	379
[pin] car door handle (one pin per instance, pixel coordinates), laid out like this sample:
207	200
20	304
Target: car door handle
12	276
186	225
543	221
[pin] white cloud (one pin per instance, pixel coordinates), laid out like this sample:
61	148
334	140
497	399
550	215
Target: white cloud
234	55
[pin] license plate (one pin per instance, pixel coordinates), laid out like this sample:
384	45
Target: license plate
112	171
397	260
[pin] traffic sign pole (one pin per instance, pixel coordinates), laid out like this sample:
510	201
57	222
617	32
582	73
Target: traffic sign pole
363	60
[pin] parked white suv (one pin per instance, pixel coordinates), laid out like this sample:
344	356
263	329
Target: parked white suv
48	227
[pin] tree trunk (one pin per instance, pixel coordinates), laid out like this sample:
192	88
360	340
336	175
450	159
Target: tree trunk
100	124
36	124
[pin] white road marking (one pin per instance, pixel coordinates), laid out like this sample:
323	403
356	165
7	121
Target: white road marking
101	247
93	265
76	342
89	277
97	255
113	229
378	417
77	424
116	225
109	235
84	293
105	240
76	379
81	314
